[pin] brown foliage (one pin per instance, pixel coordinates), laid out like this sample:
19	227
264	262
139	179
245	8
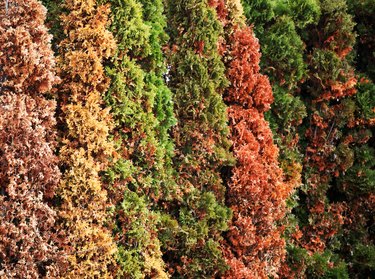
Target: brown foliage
28	166
28	176
26	62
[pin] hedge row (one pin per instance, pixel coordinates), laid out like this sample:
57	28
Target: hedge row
187	139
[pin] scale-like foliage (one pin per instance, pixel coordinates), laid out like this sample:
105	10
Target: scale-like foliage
28	167
256	191
143	175
196	78
86	148
331	134
278	26
331	83
357	185
156	68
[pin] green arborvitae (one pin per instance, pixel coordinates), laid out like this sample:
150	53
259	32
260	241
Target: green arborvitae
142	110
197	80
155	67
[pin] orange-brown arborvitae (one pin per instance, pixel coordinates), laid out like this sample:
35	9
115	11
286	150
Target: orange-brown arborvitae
254	246
328	155
29	170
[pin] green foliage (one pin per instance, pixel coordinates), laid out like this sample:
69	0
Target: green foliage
153	15
327	266
197	79
259	13
138	257
288	111
53	21
143	113
132	33
303	12
360	178
365	99
282	50
155	67
364	258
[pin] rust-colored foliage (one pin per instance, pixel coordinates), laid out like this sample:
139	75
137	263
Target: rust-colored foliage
86	147
28	166
328	153
256	193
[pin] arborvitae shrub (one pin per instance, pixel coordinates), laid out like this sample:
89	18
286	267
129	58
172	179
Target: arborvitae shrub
277	25
196	78
143	175
85	146
330	137
256	191
155	67
28	167
357	185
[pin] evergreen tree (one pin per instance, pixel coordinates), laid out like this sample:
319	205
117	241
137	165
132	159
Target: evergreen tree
141	107
196	77
357	185
29	171
85	147
279	26
256	191
331	137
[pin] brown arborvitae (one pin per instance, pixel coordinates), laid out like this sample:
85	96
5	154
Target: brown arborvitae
28	166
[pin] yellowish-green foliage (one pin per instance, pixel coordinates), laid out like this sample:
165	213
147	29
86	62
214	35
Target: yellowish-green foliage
86	148
140	178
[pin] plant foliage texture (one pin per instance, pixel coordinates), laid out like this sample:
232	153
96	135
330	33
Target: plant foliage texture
196	77
85	145
142	111
335	136
29	171
187	139
256	191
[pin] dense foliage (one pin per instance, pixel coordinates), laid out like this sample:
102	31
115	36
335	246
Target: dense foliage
187	139
197	80
256	191
29	171
85	148
142	110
